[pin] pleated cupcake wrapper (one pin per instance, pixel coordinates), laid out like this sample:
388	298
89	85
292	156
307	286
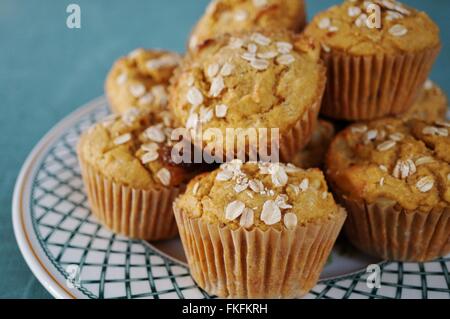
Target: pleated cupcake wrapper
257	264
293	140
300	135
135	213
365	88
388	233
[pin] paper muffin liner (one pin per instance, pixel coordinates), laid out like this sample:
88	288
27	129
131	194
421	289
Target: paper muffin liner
135	213
257	264
370	87
296	138
290	142
389	233
300	135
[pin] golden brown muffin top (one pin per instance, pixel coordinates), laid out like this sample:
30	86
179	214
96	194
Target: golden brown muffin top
256	80
230	16
134	149
393	161
141	79
431	105
344	28
313	155
260	195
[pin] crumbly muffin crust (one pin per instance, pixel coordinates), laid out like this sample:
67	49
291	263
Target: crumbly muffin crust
230	16
141	79
134	149
260	195
313	155
431	105
404	163
343	28
255	80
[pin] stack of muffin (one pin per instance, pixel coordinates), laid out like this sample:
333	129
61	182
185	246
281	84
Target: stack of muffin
256	229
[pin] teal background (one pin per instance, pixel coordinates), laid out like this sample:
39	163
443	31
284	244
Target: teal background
48	70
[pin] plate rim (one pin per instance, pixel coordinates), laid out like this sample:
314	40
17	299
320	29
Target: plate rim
22	186
53	280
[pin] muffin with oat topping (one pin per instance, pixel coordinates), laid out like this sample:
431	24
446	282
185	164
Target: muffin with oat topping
431	105
140	80
258	230
313	155
254	83
394	179
376	63
129	176
230	16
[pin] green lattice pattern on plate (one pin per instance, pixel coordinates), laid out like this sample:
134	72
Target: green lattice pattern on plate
113	266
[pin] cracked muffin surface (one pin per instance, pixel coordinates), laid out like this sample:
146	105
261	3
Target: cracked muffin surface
261	195
230	16
407	163
402	29
140	79
255	80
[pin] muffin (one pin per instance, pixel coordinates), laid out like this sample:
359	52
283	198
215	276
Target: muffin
129	176
265	85
230	16
374	70
313	155
394	179
140	80
432	104
258	230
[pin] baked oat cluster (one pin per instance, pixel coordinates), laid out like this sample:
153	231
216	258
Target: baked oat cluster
259	229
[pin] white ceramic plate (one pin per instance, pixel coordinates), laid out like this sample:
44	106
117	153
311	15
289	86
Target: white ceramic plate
73	256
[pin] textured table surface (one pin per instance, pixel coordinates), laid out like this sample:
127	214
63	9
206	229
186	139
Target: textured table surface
48	70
